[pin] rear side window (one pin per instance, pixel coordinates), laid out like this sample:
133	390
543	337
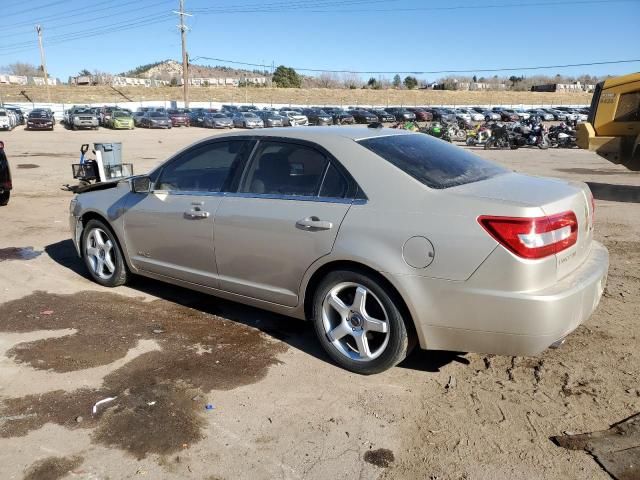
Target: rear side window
285	169
433	162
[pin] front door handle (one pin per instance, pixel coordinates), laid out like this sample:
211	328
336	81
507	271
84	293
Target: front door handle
196	213
314	223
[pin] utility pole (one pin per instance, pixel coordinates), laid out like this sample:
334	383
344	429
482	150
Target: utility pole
43	62
185	56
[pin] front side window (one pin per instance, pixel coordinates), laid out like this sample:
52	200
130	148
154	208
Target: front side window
628	107
434	163
292	170
205	168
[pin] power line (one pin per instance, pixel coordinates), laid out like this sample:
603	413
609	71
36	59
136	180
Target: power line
32	9
91	33
473	70
55	19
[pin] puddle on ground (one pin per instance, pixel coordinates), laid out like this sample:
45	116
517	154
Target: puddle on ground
382	457
200	352
52	468
18	253
41	154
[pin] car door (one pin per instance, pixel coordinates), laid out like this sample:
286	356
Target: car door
169	231
290	203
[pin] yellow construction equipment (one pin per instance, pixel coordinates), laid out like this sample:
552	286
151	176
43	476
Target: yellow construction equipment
613	128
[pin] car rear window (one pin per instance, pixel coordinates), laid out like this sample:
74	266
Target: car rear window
433	162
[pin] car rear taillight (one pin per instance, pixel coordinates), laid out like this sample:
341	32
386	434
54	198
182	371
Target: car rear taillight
533	237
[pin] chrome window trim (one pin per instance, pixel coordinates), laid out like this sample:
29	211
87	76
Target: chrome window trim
300	198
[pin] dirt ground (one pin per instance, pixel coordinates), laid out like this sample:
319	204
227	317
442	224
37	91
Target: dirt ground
209	389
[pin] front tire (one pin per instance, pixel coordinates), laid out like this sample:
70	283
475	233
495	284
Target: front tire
4	198
358	322
102	255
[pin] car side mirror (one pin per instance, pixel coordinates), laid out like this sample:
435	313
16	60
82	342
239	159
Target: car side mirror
141	185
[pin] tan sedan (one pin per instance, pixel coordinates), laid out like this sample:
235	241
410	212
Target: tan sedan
377	236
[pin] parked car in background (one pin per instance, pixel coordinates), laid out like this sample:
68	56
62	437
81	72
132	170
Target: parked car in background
421	114
523	114
363	116
487	114
196	115
506	115
570	115
247	120
179	117
542	114
19	114
383	117
381	239
230	108
217	120
441	114
5	177
82	117
7	120
247	108
294	118
271	118
121	120
105	115
317	116
462	115
340	116
137	116
39	120
155	119
473	115
401	114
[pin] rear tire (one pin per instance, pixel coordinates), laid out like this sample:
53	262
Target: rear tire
102	255
4	198
365	337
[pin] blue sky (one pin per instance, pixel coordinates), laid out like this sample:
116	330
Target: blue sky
389	35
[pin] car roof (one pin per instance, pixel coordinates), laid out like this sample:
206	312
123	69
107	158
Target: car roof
318	134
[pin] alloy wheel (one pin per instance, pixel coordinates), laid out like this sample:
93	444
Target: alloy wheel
100	253
355	321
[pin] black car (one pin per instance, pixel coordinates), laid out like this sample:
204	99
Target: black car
340	117
401	114
5	177
196	116
383	117
18	113
40	120
363	116
317	116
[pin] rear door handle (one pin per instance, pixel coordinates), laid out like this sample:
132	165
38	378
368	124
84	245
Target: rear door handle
314	223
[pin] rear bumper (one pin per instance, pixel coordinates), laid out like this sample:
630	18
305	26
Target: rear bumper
452	316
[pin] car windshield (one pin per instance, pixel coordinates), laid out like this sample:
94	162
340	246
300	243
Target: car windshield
82	111
3	114
157	114
432	162
218	115
250	115
179	111
120	114
37	115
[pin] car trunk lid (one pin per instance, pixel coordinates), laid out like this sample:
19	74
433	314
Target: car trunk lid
553	196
